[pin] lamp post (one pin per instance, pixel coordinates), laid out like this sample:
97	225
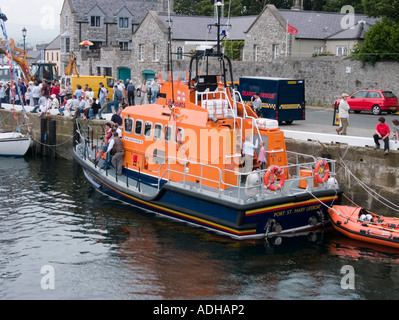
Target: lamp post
24	35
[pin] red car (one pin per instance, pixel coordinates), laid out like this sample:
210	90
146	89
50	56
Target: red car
375	101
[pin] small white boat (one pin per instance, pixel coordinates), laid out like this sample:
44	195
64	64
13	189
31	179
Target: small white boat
13	144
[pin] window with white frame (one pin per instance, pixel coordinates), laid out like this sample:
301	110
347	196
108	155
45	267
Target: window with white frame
66	22
156	52
342	51
256	52
276	51
318	50
124	45
95	21
123	23
141	52
65	44
179	53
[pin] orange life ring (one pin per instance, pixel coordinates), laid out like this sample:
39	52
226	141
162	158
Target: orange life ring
272	175
323	165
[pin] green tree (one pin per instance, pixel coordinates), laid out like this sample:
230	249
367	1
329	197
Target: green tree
236	7
336	5
382	8
381	43
232	49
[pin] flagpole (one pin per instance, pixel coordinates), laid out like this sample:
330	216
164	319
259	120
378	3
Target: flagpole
286	41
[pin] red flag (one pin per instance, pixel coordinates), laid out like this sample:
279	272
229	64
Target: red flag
291	29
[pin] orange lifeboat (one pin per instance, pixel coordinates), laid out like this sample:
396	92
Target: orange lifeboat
360	224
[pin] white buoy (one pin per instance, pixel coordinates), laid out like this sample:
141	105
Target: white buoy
252	184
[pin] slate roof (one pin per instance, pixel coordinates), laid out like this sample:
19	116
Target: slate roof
196	27
310	25
111	8
55	44
325	25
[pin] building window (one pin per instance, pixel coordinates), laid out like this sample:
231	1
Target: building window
156	52
124	45
123	23
95	21
256	53
179	53
66	22
318	50
276	51
342	51
65	45
108	72
141	52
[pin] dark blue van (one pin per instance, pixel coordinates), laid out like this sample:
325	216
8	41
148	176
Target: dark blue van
282	99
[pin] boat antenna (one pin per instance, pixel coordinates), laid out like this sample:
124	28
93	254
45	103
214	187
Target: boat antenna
218	5
170	61
3	19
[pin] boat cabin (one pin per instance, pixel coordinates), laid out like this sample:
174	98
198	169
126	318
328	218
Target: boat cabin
195	133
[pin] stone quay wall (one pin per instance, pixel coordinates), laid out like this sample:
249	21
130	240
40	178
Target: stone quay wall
376	171
326	78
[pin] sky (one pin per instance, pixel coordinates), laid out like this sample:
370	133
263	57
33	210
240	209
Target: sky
41	19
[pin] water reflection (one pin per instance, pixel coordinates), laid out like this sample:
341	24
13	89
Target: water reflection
103	249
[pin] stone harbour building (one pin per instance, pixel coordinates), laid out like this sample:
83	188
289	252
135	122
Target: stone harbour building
130	41
130	38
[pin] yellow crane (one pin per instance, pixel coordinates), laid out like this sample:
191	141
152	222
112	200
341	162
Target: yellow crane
72	67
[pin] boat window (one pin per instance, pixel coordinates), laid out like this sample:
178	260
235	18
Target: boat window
128	125
158	131
179	138
138	130
168	133
148	129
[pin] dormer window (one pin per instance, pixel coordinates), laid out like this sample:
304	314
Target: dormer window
95	21
123	23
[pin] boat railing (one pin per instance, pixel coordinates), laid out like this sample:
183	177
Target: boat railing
242	191
210	179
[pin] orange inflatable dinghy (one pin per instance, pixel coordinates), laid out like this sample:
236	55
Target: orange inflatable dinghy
360	224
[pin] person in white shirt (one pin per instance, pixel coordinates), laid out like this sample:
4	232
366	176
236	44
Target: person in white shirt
36	94
248	150
54	104
44	105
343	114
256	104
154	90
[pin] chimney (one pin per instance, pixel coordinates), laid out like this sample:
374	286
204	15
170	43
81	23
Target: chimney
298	6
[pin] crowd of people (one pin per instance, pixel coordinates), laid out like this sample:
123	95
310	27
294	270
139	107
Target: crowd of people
79	101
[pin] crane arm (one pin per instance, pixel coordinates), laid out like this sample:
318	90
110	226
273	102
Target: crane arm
18	55
72	67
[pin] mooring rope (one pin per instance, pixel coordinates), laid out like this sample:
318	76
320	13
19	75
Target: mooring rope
370	191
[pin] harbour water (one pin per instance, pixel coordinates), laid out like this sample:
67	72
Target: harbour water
61	239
